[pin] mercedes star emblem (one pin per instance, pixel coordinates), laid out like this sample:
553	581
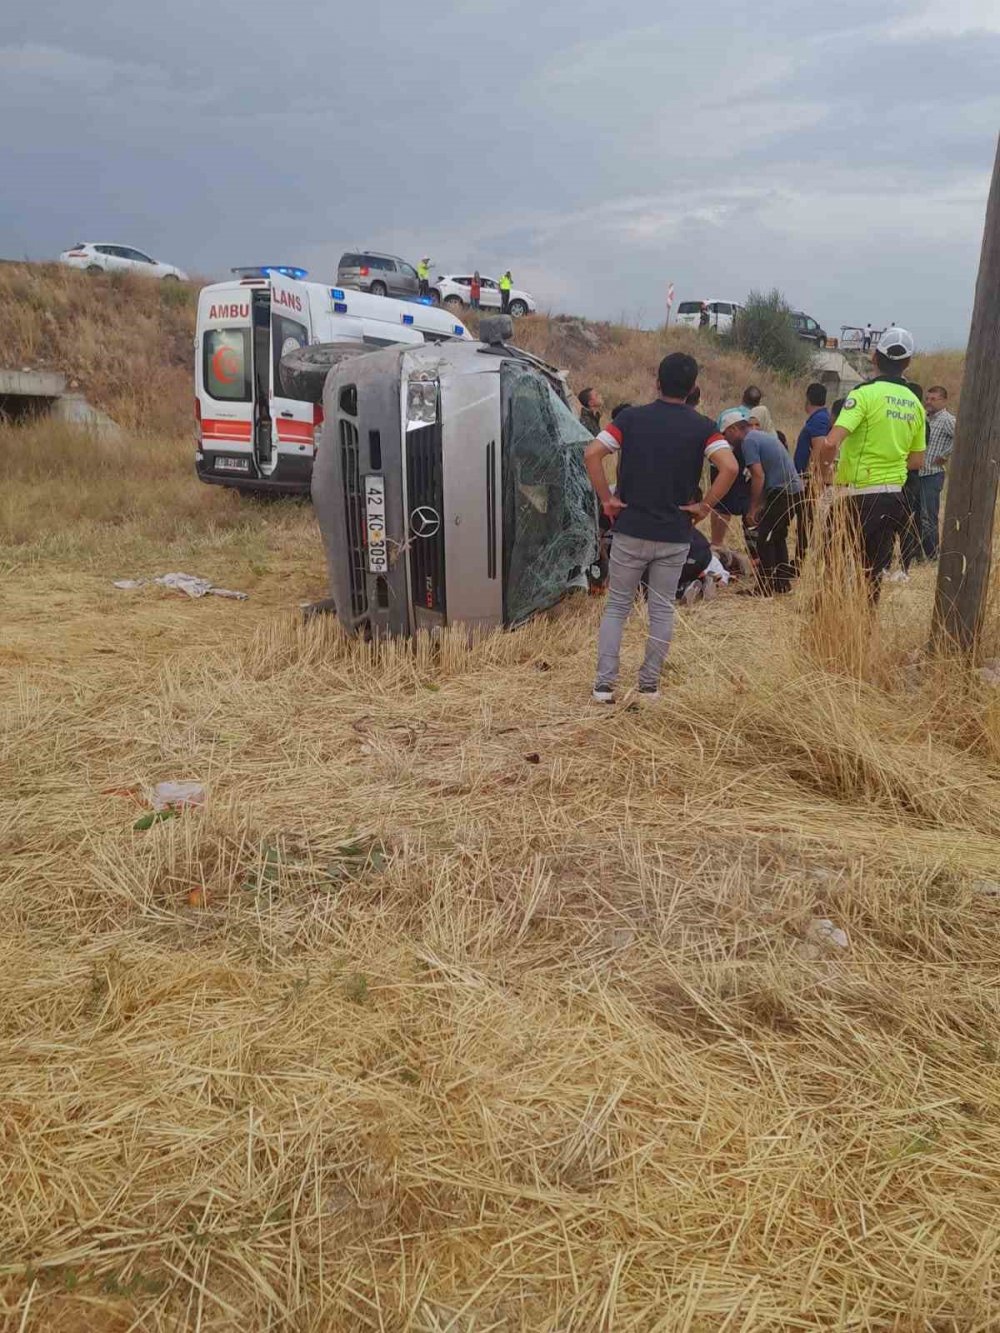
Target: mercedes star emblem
425	522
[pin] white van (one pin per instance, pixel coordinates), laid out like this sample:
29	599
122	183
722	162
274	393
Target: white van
720	314
254	433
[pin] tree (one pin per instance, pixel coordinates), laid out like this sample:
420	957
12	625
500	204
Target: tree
967	540
764	331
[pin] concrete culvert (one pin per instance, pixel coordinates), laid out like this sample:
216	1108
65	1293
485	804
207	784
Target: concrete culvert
303	371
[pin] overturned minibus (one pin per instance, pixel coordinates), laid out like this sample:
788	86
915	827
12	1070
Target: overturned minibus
450	487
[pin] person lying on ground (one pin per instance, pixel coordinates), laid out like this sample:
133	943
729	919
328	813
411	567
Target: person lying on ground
661	450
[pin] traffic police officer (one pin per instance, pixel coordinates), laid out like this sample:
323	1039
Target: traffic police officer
880	437
424	274
505	284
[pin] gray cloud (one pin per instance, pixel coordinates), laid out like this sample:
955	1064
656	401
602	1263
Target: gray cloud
841	155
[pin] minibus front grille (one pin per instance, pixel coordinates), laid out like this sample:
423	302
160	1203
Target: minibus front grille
354	514
425	498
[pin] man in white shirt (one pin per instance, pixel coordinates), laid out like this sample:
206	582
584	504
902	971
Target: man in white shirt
940	442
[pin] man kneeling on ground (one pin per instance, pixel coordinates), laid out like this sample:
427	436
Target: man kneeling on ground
776	494
661	449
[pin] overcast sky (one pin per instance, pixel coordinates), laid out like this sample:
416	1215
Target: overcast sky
839	152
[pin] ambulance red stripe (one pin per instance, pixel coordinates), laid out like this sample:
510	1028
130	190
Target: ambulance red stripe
296	432
217	429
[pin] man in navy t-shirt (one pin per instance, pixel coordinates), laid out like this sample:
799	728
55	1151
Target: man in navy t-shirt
817	427
661	449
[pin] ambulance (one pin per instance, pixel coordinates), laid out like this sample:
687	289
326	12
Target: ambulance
253	430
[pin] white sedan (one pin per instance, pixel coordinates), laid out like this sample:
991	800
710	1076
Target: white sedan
454	292
100	257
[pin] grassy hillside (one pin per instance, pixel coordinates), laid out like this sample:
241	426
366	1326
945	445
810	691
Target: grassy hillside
461	1004
127	343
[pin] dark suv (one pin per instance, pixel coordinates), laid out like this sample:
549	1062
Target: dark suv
382	275
807	328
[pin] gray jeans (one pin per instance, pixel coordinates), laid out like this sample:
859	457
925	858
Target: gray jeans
630	557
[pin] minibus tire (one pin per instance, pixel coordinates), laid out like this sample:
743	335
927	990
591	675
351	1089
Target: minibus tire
378	289
94	268
303	372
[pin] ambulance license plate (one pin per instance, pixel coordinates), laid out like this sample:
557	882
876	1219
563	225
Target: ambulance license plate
232	464
378	551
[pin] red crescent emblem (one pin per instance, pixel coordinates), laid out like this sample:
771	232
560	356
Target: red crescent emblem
225	365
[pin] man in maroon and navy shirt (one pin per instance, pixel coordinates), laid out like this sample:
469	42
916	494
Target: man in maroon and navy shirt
661	448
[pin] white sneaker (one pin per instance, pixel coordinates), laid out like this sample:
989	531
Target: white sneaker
692	592
898	576
708	588
603	694
648	694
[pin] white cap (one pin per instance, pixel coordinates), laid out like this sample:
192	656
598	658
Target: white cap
896	345
734	417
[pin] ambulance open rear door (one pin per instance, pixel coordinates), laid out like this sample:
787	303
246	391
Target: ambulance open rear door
292	421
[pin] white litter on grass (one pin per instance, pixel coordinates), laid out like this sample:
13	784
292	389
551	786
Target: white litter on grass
186	583
822	938
989	672
175	795
823	931
989	888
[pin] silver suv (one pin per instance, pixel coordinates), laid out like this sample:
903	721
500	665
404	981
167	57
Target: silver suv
382	275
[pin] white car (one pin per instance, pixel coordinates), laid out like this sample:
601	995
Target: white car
100	257
454	292
720	314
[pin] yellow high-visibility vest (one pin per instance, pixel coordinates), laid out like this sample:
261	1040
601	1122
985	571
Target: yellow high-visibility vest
505	283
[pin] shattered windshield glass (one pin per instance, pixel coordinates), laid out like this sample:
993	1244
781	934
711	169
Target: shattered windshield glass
549	508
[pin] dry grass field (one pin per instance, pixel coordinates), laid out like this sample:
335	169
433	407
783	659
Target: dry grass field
462	1004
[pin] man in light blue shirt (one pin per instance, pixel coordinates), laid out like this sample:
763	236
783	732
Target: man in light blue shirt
776	497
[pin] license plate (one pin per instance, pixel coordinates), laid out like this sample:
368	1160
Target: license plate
378	551
232	464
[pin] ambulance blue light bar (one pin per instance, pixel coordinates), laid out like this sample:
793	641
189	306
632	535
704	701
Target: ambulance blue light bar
340	307
459	329
336	293
265	271
407	319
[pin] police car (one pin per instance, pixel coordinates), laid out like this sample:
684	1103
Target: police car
254	430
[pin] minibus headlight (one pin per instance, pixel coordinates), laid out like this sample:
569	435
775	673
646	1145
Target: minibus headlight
422	397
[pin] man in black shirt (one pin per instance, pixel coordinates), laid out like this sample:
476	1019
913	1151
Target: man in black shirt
661	449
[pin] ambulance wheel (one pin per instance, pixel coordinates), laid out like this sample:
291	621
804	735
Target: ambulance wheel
377	289
518	308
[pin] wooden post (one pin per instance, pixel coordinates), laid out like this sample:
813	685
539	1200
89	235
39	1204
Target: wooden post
967	541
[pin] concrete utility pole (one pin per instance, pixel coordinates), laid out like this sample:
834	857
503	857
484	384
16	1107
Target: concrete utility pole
967	542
